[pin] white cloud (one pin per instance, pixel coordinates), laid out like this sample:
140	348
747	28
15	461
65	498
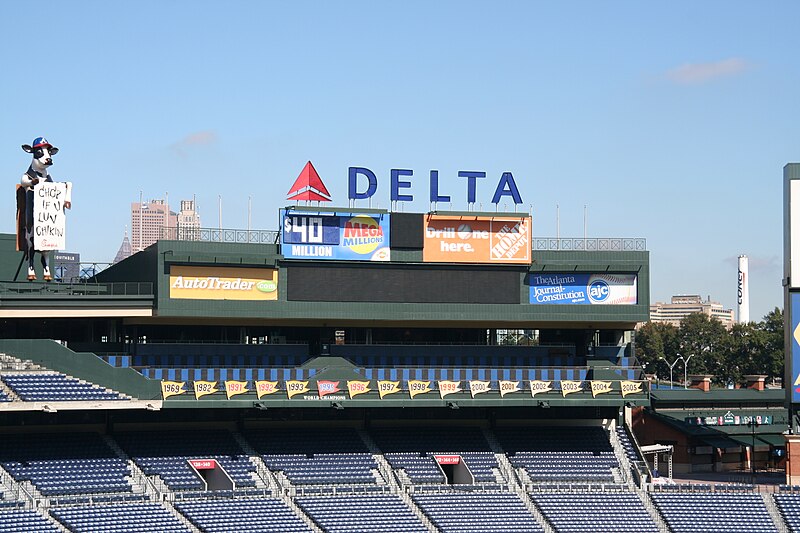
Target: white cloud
198	138
697	73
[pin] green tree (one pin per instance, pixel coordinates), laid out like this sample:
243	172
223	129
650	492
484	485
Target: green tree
703	339
655	342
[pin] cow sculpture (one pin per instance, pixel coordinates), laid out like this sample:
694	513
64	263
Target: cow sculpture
43	153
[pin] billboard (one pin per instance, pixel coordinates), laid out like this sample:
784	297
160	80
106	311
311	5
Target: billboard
583	289
223	283
793	353
468	239
334	236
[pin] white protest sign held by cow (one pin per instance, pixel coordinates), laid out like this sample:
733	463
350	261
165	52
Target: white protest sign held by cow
49	218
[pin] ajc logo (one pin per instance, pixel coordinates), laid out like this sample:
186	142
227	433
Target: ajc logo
598	291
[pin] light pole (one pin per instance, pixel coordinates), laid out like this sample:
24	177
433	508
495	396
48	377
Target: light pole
685	366
671	366
753	425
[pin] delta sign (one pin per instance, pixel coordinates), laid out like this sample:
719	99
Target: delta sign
362	184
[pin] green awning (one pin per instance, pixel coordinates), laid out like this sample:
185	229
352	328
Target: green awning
778	441
746	440
719	441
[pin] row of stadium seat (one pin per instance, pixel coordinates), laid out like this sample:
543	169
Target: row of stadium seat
326	456
55	387
454	511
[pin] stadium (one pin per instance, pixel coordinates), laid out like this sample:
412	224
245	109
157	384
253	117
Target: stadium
356	370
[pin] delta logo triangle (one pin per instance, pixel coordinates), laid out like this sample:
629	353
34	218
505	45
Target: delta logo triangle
309	186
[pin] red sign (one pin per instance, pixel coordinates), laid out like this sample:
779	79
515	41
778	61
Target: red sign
203	464
327	387
447	459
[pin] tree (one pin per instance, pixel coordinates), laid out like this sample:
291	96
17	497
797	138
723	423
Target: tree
702	337
753	348
656	341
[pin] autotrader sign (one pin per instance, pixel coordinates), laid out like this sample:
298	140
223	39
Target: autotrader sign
472	239
223	283
583	289
341	236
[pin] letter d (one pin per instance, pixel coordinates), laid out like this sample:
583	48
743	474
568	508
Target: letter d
352	183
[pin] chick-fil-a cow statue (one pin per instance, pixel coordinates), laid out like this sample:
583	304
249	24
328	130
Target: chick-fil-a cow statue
40	208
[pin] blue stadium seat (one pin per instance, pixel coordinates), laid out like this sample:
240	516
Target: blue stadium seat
119	518
713	512
55	387
376	513
462	512
22	520
621	512
253	515
64	463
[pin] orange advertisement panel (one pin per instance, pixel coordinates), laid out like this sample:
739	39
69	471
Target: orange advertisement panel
466	239
223	283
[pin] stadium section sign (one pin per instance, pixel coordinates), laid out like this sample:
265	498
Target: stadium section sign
486	240
336	236
223	283
583	289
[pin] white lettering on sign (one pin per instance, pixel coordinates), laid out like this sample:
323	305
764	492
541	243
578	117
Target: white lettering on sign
203	464
212	283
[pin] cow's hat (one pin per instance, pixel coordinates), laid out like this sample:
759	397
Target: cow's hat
38	142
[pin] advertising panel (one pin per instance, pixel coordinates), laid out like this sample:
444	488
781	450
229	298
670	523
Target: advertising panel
223	283
794	341
466	239
49	229
335	236
583	289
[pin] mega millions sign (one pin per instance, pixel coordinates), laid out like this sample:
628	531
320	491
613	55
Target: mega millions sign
334	235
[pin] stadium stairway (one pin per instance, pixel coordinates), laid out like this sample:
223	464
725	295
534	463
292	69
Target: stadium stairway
384	468
515	485
411	504
138	479
270	481
170	507
261	476
9	392
775	514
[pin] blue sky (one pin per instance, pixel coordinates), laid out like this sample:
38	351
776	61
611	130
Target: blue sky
671	121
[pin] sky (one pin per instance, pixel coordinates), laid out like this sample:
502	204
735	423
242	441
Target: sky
669	121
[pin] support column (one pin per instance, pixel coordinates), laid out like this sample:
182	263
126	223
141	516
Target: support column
792	459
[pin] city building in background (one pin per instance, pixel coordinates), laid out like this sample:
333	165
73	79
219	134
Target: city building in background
125	250
188	221
743	290
148	221
682	306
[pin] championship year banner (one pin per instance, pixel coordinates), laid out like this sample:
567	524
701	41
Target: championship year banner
223	283
335	236
583	289
487	240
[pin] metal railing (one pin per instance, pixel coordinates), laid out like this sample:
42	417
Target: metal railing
133	288
613	244
609	244
251	236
